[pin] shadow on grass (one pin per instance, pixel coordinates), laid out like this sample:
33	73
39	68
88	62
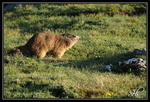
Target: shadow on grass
41	25
57	91
97	64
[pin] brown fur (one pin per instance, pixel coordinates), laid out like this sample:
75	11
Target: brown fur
42	43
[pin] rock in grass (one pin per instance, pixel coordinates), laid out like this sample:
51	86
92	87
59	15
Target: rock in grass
108	67
133	60
134	63
139	51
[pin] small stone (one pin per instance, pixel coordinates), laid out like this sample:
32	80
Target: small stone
139	51
109	67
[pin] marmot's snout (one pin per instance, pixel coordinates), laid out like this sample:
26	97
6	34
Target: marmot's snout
77	37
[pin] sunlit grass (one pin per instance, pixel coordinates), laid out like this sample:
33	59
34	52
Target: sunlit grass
80	72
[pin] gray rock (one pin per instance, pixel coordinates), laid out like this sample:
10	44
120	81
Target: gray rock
139	51
134	63
109	67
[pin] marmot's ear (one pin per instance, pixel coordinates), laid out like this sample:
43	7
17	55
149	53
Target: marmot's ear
63	34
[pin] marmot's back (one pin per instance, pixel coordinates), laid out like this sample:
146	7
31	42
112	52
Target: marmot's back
42	43
40	40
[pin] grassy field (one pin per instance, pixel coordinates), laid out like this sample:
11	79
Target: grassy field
109	34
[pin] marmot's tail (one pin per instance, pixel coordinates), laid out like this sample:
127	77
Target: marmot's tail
17	50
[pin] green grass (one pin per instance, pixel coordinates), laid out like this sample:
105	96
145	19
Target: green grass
79	73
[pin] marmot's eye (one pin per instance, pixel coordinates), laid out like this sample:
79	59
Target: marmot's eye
74	36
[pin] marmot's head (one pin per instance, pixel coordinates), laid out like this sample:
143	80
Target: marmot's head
70	38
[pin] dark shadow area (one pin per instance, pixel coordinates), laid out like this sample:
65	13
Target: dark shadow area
13	52
96	63
57	91
138	11
41	25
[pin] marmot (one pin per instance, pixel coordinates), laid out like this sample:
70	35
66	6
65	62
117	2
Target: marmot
45	42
